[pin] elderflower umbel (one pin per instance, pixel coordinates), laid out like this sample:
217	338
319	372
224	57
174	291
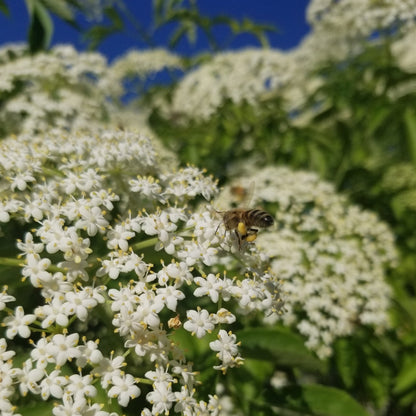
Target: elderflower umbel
108	261
332	255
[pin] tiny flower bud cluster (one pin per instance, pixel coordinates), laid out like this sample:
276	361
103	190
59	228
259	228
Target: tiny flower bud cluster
118	257
332	255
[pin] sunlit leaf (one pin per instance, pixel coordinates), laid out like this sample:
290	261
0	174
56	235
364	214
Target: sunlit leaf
317	400
177	35
278	345
41	26
61	8
406	379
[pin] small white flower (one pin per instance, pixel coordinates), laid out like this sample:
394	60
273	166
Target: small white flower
108	368
119	236
28	378
112	266
170	296
79	303
4	354
147	186
227	348
124	297
53	312
70	406
52	385
124	388
20	180
199	322
18	323
35	270
29	246
4	298
89	353
210	285
80	386
63	348
41	353
162	398
160	375
92	220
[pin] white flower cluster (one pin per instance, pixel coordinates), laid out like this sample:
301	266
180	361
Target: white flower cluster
144	64
352	18
60	88
339	30
237	76
404	52
333	256
100	209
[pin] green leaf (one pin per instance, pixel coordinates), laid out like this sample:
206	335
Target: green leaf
410	122
346	361
177	35
41	26
316	400
406	379
61	8
259	370
115	17
158	11
191	29
3	8
278	345
37	408
98	33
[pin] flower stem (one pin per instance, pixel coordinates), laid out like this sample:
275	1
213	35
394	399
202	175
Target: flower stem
14	262
146	243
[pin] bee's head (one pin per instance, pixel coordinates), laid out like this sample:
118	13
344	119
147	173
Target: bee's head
267	220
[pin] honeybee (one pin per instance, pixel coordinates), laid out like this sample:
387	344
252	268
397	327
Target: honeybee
245	223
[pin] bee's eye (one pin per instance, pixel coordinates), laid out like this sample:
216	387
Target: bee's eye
268	220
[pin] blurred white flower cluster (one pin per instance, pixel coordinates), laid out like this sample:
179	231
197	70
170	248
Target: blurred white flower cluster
110	239
363	18
237	76
144	63
332	255
71	90
404	52
60	89
339	29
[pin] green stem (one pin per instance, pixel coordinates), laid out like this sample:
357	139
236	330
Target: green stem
14	262
7	261
146	243
52	172
143	380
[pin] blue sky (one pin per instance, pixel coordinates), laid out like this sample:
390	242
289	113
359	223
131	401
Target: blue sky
287	16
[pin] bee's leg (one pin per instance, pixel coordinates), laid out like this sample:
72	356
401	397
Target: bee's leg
251	235
239	238
242	230
225	231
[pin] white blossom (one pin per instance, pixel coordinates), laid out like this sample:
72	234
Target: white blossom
18	324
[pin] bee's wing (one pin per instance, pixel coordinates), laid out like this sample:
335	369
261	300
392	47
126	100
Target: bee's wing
242	194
